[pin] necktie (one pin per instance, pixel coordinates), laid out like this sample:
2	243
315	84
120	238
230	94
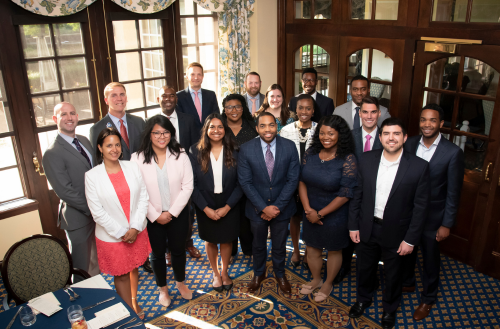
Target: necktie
123	132
367	143
197	104
254	106
81	150
356	123
269	161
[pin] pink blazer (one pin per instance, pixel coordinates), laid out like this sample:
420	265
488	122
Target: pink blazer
180	180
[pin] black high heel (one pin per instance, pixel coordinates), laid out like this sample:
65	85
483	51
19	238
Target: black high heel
228	287
295	264
218	289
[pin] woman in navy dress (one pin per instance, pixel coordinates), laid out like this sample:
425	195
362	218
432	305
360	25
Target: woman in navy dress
328	178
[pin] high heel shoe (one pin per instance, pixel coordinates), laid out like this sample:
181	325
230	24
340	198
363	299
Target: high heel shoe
295	264
219	288
306	290
321	296
228	287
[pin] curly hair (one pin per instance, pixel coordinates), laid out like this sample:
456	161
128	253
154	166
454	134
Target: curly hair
247	116
285	113
345	142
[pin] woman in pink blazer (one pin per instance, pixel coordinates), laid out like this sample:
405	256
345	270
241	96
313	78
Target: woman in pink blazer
166	170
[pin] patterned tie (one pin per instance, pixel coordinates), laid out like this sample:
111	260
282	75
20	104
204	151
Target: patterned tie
197	104
81	150
253	105
367	143
123	132
269	161
356	123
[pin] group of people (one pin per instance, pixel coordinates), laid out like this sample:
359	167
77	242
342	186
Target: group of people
252	172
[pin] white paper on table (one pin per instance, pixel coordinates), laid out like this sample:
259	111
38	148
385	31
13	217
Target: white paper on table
45	305
94	282
93	324
109	315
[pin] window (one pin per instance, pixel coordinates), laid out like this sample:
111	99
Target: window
322	9
312	56
199	32
375	9
481	11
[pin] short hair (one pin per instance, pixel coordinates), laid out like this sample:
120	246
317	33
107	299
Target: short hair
361	78
100	141
307	96
310	70
434	107
57	108
165	88
194	64
265	114
392	122
251	73
370	100
110	87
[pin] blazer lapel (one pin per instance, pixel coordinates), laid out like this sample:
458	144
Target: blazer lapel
403	166
73	151
278	156
108	186
260	156
358	140
348	111
374	174
129	177
438	153
413	145
131	132
204	105
377	145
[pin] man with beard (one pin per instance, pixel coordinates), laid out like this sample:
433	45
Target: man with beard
253	96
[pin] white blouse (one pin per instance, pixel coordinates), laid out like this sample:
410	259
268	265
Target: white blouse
217	171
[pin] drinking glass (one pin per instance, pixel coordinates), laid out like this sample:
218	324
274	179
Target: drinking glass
76	318
27	316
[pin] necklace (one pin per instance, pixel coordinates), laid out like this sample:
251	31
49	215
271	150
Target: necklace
323	161
303	139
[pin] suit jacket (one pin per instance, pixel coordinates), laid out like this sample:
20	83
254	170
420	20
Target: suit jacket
65	170
359	145
111	221
324	103
180	181
135	127
209	105
261	100
189	134
204	183
262	191
407	206
345	111
447	175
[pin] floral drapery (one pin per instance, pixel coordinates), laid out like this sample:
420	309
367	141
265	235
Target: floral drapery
54	7
144	6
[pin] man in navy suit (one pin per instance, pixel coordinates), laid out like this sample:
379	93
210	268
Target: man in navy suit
309	82
268	172
446	166
194	100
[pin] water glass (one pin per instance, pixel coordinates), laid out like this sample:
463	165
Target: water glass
76	318
27	316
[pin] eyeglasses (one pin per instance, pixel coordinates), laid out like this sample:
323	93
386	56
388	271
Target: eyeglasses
231	108
158	134
308	80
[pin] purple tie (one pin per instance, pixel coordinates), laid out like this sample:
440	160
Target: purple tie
269	161
367	143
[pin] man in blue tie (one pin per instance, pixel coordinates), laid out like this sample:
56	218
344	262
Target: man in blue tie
268	172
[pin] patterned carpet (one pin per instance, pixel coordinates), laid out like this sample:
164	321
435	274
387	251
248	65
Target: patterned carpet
467	299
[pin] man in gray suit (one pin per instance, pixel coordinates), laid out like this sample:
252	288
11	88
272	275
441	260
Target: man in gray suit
350	111
129	126
253	96
65	163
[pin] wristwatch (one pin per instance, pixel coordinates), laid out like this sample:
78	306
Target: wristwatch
319	215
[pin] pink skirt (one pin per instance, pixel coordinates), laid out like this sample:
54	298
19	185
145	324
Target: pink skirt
119	258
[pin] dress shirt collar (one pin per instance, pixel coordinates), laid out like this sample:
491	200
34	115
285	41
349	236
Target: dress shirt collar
434	144
192	91
387	163
172	116
117	120
264	144
313	95
256	97
67	138
354	106
373	133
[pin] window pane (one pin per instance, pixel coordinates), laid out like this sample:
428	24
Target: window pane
475	111
125	33
485	11
188	56
387	10
323	9
153	63
46	139
382	93
209	81
361	9
134	95
11	179
73	73
444	100
154	112
479	78
151	33
382	66
302	9
36	41
140	114
302	56
44	109
203	11
128	66
188	32
205	29
443	73
5	120
207	57
8	156
298	85
449	10
68	39
153	90
186	7
321	60
358	63
322	85
81	100
42	76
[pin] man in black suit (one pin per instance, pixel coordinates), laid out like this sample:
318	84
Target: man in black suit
194	100
253	96
386	217
365	139
309	82
446	166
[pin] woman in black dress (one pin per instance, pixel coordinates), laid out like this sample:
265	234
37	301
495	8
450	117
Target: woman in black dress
216	195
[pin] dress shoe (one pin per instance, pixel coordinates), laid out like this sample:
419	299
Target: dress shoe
422	311
358	309
284	285
228	287
388	320
147	266
409	289
340	276
168	259
193	252
255	283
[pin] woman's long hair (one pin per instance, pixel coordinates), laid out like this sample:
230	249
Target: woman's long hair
285	114
246	116
146	147
204	146
345	142
100	141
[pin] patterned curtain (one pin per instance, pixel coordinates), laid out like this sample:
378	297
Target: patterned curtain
144	6
54	7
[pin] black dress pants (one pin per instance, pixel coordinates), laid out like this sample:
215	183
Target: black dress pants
368	256
246	236
347	257
174	235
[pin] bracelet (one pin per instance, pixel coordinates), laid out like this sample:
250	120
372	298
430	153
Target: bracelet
319	215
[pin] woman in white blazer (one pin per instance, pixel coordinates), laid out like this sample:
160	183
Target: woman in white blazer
118	200
301	133
168	175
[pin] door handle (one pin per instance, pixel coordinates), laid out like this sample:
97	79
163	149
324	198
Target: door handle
36	163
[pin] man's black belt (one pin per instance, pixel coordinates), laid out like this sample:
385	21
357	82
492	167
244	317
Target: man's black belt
377	220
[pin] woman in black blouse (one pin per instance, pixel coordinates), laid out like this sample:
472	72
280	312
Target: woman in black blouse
242	128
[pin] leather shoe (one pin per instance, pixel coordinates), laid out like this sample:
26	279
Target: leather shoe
422	311
409	289
168	259
358	309
255	283
388	320
147	266
193	252
284	285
